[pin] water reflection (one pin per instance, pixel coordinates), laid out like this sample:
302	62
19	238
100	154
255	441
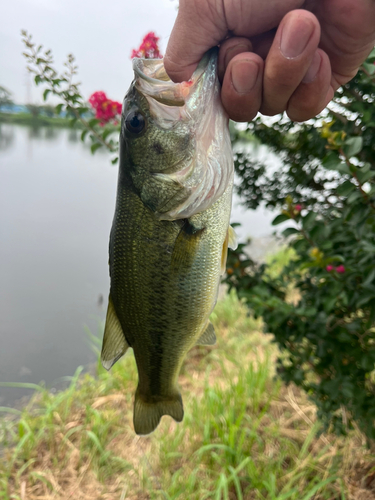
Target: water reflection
51	133
73	135
35	132
6	136
56	207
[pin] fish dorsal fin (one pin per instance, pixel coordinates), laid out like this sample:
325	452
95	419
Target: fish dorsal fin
232	238
114	342
208	337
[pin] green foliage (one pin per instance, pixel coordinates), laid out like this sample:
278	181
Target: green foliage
34	110
73	105
326	189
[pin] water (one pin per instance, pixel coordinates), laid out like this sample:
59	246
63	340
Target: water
56	208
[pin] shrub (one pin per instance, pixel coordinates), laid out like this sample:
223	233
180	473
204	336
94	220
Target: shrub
325	188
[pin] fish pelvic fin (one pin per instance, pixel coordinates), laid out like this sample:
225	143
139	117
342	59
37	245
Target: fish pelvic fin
208	337
232	238
147	413
231	242
114	342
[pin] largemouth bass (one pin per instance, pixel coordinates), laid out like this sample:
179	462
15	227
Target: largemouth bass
170	232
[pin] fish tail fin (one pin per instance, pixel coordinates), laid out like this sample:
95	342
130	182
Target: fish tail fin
147	414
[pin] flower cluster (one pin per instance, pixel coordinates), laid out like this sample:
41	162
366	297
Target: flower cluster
105	109
149	48
339	269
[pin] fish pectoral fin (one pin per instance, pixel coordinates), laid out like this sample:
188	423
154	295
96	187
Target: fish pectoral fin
114	342
147	414
231	242
185	246
161	194
208	337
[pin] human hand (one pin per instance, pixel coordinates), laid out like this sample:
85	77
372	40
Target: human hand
272	57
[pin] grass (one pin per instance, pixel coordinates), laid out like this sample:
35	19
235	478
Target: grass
245	436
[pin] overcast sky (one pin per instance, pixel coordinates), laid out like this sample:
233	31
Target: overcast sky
101	34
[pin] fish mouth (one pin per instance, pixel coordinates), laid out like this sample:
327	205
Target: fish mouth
196	103
152	80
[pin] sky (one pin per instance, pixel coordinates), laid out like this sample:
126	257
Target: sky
101	35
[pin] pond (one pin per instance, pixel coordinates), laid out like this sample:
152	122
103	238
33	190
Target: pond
56	208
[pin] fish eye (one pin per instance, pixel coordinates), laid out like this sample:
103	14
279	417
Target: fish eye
135	122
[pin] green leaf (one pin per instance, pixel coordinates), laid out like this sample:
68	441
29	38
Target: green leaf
114	161
345	188
37	79
45	94
83	135
58	108
344	168
309	219
353	146
107	131
331	161
369	279
95	146
290	230
280	218
93	122
365	176
356	195
82	109
299	244
319	231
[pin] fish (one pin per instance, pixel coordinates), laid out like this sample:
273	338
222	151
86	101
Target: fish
170	233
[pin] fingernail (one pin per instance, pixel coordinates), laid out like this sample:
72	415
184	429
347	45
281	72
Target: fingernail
233	51
313	69
244	76
295	37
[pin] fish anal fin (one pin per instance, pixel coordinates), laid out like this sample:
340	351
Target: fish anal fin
114	342
147	413
208	337
185	246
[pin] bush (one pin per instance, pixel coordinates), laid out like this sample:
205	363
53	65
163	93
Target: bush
326	190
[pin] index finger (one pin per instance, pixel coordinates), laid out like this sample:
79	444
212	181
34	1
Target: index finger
202	24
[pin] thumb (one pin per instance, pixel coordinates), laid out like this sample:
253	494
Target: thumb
196	30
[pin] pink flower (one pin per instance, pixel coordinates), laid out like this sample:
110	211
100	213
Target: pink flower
329	268
298	208
105	109
340	269
149	48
